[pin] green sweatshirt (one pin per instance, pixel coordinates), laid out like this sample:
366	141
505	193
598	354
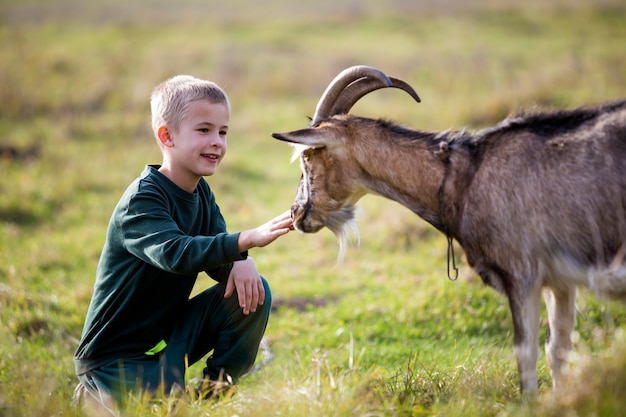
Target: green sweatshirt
159	238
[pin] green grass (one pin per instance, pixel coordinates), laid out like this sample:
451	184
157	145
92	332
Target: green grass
384	333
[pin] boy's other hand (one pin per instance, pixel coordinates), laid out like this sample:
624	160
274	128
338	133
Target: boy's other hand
246	279
266	233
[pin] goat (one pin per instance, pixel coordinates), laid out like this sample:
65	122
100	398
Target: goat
537	202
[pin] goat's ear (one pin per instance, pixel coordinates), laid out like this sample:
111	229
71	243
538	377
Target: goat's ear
307	137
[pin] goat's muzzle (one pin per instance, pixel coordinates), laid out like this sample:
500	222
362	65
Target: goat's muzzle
300	215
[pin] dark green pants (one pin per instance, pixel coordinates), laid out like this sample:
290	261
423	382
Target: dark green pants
210	323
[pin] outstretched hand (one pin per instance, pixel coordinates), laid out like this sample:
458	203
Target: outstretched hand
266	233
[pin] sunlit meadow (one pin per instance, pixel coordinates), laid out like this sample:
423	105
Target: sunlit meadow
384	333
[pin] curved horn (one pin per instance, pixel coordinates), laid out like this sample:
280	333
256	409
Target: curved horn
337	85
359	88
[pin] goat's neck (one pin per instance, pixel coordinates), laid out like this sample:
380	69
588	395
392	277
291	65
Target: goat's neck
410	173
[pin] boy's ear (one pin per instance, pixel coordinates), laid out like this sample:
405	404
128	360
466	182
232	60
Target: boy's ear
165	138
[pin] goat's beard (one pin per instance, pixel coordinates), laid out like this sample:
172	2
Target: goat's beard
343	224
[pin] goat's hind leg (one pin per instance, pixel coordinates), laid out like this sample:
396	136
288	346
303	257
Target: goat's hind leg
561	308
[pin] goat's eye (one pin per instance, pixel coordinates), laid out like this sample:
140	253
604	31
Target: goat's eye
305	157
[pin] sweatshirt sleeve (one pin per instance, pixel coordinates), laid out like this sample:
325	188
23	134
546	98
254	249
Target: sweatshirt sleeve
218	225
150	232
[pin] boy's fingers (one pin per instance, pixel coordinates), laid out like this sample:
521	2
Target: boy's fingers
261	293
229	288
283	218
254	302
245	298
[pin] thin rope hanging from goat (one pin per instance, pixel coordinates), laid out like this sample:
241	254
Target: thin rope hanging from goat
444	154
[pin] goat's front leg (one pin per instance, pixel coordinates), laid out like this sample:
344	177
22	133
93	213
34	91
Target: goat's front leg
526	311
561	307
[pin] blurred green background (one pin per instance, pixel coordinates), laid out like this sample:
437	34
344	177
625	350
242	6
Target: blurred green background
384	333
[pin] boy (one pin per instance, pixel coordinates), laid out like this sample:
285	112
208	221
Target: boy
142	331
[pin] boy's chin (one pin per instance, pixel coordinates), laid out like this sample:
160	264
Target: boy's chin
209	172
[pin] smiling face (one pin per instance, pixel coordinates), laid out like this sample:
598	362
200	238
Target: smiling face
197	147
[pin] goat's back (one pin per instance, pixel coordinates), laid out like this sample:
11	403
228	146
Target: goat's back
549	187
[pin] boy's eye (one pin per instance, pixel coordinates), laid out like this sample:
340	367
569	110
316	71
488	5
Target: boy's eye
203	130
223	133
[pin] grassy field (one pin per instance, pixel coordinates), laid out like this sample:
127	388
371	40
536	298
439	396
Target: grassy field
385	333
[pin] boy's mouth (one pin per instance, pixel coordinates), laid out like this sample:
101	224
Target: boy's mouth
212	156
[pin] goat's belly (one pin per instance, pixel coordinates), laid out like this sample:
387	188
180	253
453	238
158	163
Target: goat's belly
608	281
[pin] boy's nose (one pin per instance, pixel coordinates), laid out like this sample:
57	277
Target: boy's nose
216	141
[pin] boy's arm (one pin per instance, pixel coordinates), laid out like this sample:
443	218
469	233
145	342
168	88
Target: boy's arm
218	225
150	233
221	273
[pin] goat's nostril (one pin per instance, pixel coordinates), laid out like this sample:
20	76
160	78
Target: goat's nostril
298	211
294	210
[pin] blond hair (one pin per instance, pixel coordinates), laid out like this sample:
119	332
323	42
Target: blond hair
171	98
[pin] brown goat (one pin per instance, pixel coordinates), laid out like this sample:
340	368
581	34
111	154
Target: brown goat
537	202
